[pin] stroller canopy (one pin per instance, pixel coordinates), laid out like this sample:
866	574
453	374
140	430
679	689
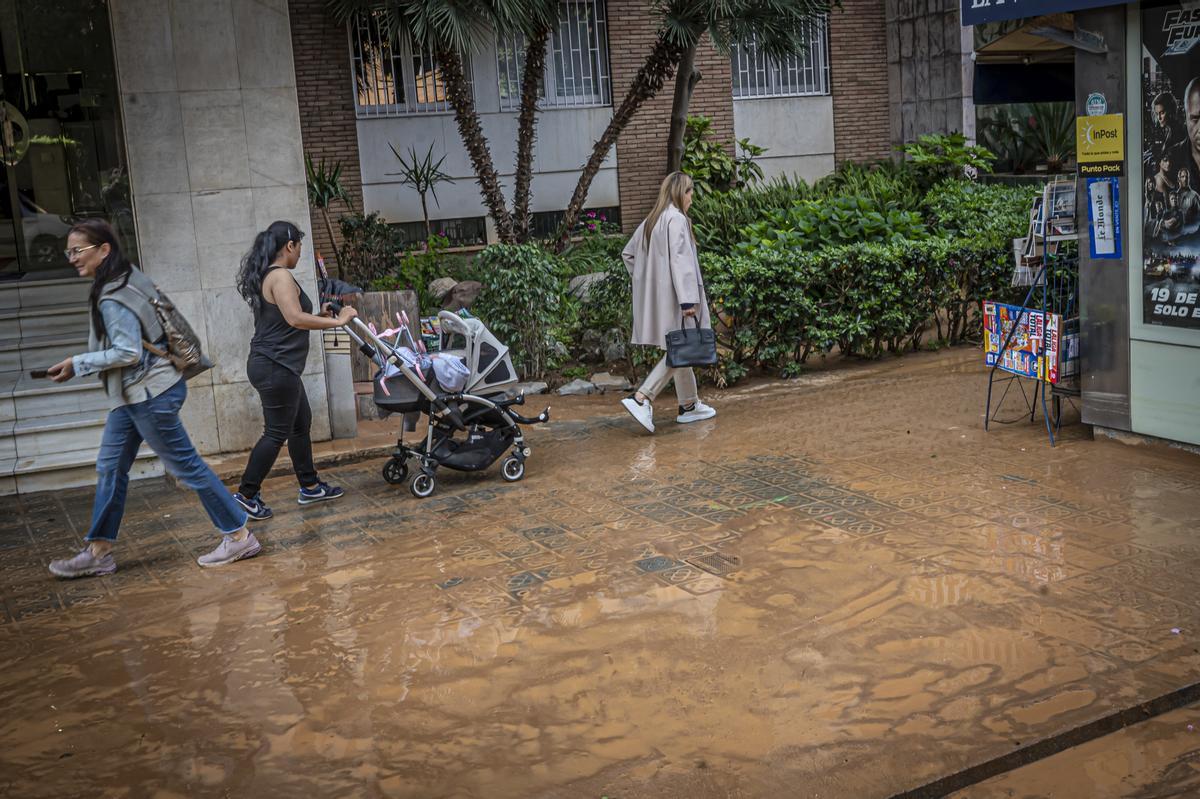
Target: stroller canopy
485	356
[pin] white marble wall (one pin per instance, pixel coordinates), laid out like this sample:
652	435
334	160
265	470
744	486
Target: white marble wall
212	130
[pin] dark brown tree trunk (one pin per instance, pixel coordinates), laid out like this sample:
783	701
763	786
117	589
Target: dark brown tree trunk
458	92
531	78
686	77
658	69
425	216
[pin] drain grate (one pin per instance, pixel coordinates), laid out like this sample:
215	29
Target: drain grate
718	564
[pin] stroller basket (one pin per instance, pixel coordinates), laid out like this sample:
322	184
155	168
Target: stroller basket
401	395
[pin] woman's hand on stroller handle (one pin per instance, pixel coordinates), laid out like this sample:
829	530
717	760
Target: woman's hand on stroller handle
342	313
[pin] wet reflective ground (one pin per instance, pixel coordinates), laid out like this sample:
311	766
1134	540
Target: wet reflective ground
840	587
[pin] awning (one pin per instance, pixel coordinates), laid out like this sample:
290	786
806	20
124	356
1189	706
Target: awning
977	12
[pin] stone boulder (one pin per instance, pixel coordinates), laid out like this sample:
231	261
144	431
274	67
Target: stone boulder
581	286
605	382
577	388
527	389
441	287
613	346
463	295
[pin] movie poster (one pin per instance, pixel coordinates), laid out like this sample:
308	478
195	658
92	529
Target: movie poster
1171	159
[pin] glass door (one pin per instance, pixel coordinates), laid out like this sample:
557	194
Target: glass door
61	147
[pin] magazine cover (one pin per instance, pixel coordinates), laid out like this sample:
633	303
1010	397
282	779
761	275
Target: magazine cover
1171	159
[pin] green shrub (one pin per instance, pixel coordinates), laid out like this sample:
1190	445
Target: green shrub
415	269
371	248
523	302
709	162
719	217
839	220
961	208
939	156
594	253
776	307
889	184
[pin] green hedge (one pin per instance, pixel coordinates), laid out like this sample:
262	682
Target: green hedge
866	299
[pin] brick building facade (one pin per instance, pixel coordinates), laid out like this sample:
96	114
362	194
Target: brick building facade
642	148
328	125
859	81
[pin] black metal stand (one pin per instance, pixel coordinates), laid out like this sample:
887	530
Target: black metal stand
1058	290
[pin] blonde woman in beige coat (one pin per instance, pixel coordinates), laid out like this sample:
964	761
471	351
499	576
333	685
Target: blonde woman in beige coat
667	287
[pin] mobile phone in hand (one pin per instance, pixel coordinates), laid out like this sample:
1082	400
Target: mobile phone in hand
38	374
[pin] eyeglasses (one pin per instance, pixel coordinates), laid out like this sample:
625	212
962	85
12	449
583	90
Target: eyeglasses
75	251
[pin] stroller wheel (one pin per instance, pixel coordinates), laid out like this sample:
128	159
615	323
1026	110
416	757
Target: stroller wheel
395	471
513	469
422	485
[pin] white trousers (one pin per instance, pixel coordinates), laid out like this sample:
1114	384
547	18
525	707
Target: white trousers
661	375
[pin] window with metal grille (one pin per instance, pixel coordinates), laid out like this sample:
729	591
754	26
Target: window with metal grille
576	73
394	76
466	231
755	75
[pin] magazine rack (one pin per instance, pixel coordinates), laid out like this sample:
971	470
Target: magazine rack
1038	340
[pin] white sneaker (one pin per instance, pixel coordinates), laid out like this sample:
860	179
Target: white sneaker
642	411
698	413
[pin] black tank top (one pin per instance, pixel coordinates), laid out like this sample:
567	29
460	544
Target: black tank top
274	338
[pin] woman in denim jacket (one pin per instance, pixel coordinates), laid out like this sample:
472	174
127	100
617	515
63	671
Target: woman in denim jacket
145	393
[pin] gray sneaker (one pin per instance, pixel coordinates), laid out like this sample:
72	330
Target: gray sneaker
229	551
85	564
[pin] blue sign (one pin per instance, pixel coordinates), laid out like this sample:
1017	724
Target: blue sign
977	12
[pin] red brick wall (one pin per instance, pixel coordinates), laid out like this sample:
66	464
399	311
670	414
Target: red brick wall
859	81
323	91
642	148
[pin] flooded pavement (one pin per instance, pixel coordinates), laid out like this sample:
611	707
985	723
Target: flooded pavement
1157	757
840	587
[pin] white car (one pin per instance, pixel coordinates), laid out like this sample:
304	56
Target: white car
45	237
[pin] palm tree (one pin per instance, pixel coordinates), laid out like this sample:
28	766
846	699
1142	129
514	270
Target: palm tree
423	174
324	188
778	27
450	29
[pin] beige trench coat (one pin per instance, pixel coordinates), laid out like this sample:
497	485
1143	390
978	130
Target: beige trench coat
664	276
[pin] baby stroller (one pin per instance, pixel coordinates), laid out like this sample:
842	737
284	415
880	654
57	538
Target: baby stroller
469	428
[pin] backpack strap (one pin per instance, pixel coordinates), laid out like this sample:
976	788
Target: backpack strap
143	306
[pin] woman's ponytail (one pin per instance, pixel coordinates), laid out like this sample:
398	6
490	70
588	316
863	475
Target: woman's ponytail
257	262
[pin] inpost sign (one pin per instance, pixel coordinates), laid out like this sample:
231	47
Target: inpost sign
1100	145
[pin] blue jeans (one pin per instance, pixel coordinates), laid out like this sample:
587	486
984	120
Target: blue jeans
155	421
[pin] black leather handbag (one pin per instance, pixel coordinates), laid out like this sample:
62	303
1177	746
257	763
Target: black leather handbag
691	346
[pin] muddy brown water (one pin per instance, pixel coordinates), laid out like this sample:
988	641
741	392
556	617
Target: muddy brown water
839	587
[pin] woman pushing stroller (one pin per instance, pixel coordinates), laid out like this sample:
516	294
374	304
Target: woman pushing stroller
667	288
283	317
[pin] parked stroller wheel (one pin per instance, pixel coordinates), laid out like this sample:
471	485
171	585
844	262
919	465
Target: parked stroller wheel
422	485
513	469
395	471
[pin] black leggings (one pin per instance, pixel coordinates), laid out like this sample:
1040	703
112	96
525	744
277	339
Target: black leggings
286	417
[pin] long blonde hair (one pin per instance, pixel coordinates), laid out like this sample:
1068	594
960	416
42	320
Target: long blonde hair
671	192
